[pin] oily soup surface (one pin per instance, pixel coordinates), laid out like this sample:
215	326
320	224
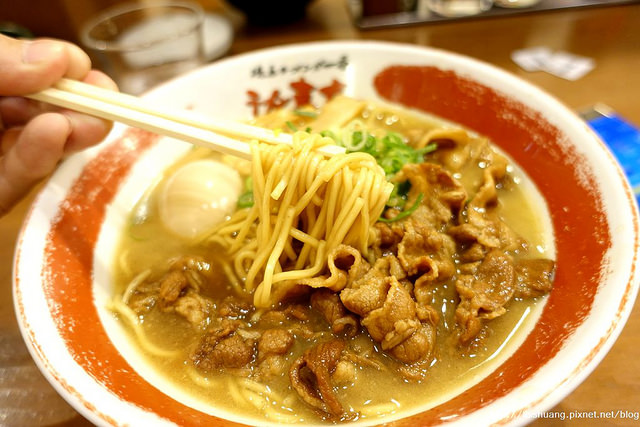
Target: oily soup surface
375	389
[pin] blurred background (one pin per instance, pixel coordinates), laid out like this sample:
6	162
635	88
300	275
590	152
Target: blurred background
582	27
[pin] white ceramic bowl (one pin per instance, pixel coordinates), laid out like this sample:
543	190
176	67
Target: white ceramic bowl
62	263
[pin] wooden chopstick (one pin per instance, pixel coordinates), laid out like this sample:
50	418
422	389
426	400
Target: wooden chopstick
179	124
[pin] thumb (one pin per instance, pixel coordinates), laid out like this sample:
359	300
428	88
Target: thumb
27	66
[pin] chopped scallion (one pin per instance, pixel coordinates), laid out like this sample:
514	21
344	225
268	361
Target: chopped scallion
245	200
306	113
404	213
392	153
291	126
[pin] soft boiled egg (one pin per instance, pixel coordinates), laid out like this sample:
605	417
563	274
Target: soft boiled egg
198	196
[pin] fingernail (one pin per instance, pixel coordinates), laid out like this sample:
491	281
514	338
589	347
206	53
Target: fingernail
40	51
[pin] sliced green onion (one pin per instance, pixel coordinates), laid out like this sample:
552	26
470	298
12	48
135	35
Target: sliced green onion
291	126
330	134
429	148
404	213
354	141
398	196
305	113
245	200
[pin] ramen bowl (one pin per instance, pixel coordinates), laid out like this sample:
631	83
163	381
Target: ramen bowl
63	275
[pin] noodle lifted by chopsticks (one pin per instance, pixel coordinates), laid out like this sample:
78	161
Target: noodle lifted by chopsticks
305	205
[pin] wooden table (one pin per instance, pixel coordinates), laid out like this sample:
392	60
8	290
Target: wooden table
609	35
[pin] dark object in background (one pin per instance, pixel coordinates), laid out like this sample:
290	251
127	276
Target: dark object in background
368	14
382	7
12	29
271	13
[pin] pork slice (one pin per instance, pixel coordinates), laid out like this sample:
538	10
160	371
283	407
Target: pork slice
418	346
444	195
388	235
398	306
171	286
222	347
534	277
368	296
310	376
483	296
274	342
233	307
232	352
398	328
482	224
390	314
178	290
193	307
427	255
334	312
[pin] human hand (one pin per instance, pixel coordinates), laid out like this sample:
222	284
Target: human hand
34	137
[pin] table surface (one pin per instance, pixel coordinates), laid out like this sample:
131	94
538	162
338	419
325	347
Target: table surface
608	34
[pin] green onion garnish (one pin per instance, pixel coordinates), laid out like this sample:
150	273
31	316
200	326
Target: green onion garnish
291	126
392	153
245	200
405	213
305	113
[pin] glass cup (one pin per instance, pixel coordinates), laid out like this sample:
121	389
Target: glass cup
459	8
142	44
